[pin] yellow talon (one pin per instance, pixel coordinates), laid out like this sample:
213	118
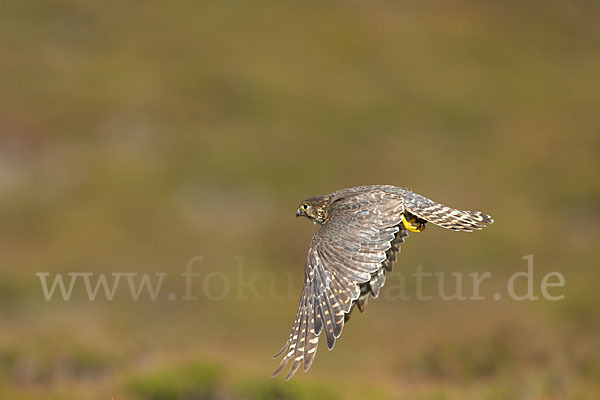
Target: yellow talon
413	224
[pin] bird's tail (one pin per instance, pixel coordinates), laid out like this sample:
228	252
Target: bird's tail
444	216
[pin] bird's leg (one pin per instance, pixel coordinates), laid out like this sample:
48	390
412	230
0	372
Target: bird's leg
413	223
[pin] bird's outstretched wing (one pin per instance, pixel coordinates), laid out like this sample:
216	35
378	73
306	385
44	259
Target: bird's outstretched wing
444	216
345	252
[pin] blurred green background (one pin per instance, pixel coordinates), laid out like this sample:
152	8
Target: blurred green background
137	135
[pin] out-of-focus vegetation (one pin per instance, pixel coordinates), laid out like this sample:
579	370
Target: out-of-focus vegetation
137	135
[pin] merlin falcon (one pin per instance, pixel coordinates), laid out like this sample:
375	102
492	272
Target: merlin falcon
360	233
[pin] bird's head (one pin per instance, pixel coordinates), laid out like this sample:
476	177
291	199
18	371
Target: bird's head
314	208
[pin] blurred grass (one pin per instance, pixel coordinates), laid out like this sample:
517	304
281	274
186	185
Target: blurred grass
136	136
188	382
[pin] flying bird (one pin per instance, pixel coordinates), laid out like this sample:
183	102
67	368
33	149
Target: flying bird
360	233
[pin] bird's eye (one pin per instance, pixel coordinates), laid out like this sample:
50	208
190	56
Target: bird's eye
305	206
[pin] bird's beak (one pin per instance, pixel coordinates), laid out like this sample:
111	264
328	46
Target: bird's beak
298	213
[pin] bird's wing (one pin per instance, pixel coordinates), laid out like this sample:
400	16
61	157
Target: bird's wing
444	216
345	252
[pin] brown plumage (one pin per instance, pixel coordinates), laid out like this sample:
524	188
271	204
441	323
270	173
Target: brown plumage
361	229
